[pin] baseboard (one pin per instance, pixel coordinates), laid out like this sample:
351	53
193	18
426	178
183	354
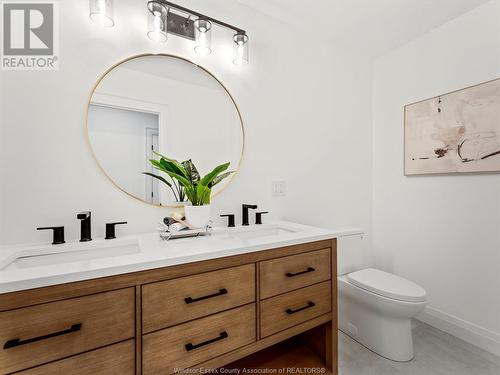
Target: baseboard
469	332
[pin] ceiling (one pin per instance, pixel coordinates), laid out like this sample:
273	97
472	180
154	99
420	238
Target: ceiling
371	27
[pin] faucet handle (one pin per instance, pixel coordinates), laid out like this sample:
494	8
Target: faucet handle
58	235
83	215
230	220
110	229
251	206
245	207
258	216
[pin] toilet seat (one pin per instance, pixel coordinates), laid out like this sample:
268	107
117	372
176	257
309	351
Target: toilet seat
387	285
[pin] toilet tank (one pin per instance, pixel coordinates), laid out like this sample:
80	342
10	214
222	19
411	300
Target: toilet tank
353	253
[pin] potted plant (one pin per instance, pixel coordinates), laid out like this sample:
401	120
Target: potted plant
175	186
197	189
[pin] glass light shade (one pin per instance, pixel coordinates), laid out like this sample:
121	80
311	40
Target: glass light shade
157	22
101	12
203	36
240	49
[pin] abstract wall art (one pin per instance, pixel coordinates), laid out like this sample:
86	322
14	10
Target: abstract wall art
458	132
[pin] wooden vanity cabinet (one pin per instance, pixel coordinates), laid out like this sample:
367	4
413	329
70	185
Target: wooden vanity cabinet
282	275
292	308
171	302
194	342
113	359
198	315
50	331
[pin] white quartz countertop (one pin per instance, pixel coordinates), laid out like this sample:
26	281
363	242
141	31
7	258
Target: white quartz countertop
143	252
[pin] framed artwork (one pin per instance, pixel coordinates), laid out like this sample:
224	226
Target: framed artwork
458	132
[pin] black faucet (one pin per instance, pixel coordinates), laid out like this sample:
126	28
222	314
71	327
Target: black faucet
230	220
258	217
58	236
85	232
110	230
246	207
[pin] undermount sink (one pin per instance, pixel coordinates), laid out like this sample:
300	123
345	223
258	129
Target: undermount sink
47	255
253	232
77	252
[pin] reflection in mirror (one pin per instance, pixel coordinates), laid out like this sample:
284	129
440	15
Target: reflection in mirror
161	104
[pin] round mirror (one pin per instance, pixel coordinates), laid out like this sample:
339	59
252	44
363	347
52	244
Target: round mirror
153	106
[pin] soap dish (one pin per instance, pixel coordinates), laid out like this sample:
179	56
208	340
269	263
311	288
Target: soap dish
166	234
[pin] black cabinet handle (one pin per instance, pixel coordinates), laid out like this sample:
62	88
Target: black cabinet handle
309	305
309	269
221	292
223	335
18	342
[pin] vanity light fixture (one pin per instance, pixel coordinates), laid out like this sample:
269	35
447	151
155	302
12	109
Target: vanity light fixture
203	36
240	48
197	27
101	12
165	17
157	21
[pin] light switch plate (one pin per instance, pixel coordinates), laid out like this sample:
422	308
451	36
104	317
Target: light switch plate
278	188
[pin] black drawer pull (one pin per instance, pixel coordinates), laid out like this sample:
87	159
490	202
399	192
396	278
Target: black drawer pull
309	269
309	305
221	292
223	335
18	342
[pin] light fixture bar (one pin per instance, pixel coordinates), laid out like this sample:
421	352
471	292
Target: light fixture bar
200	15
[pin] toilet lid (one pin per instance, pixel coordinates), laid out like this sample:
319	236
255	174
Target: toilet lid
387	285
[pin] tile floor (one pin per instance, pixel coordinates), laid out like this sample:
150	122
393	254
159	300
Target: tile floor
436	353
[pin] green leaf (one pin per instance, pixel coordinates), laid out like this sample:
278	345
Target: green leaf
219	178
172	164
183	180
212	175
192	172
159	178
156	164
202	194
169	166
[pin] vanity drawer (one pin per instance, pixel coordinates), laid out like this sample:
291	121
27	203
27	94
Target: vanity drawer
293	272
192	343
114	359
175	301
287	310
55	330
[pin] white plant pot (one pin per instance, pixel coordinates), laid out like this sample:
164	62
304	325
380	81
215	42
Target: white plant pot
197	216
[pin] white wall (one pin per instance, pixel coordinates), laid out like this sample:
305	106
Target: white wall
118	138
440	231
304	104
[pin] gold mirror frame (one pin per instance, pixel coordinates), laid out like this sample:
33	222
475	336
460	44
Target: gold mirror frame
86	130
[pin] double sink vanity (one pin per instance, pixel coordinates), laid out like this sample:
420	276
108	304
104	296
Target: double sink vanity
142	305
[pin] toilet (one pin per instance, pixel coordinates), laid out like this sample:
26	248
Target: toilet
375	307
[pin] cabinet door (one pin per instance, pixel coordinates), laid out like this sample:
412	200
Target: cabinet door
171	302
191	343
39	334
115	359
289	309
282	275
